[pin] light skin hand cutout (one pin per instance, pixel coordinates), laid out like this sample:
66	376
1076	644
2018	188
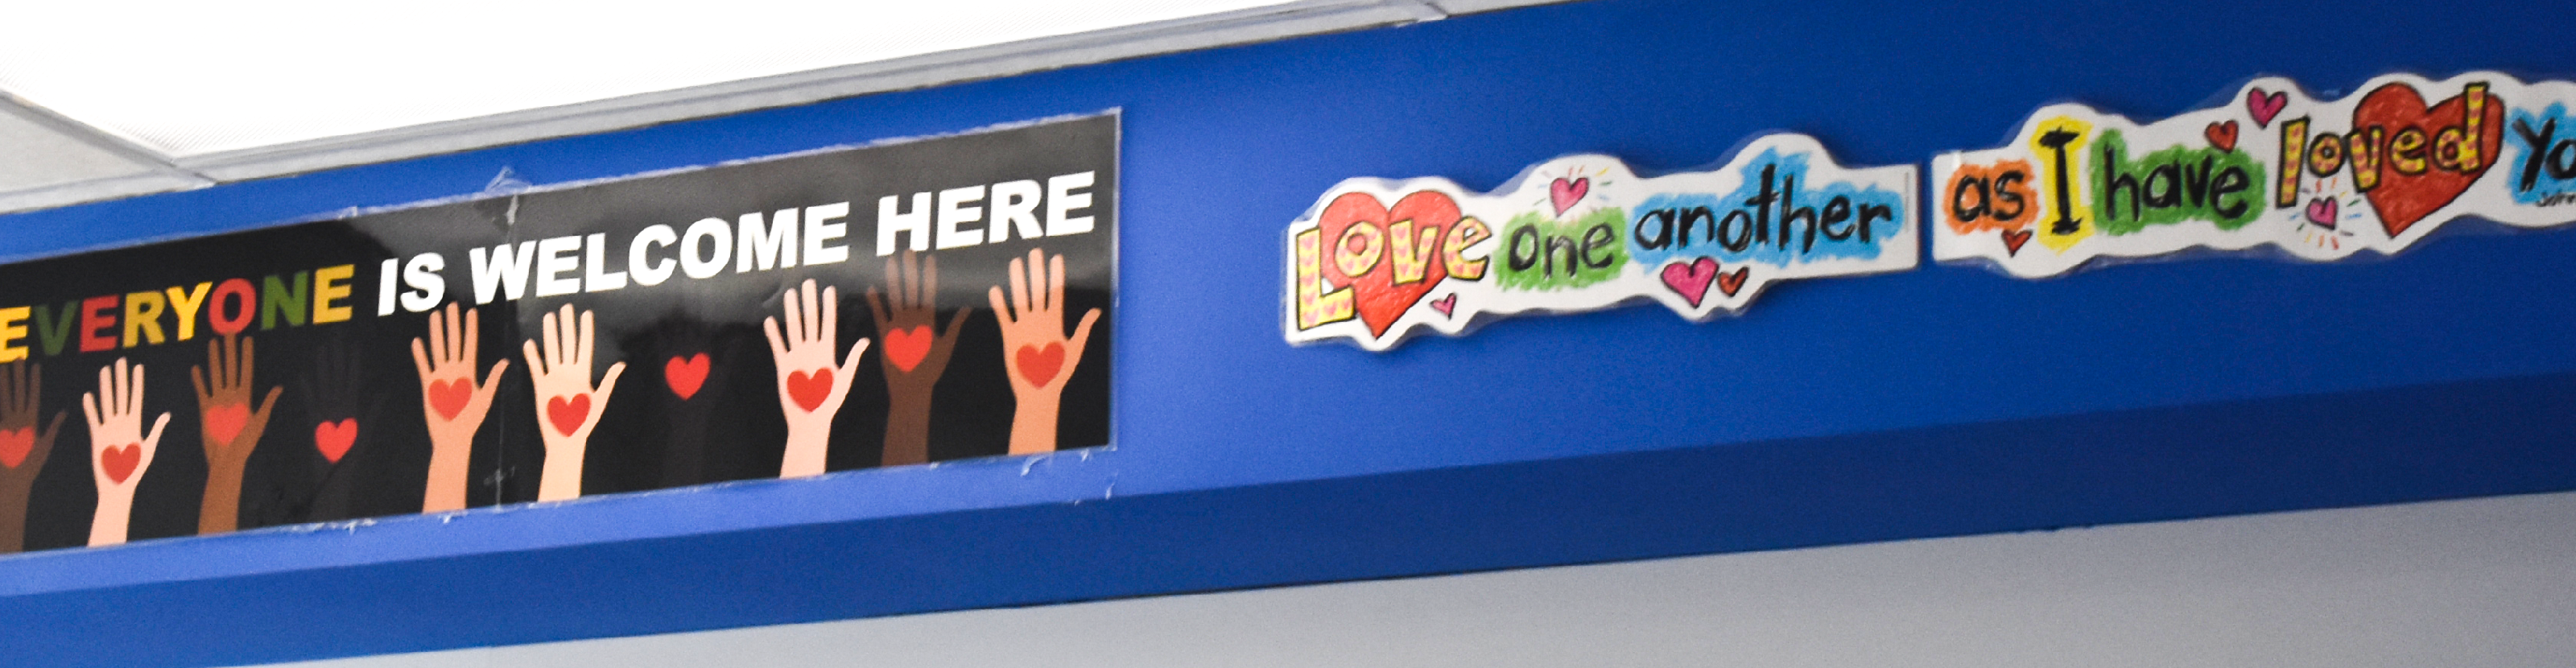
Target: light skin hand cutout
1035	350
913	357
811	385
451	403
230	426
567	406
23	448
119	450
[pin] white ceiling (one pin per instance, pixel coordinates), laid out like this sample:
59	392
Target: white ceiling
95	104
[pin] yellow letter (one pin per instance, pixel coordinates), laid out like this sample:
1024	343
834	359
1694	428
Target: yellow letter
142	316
186	303
330	284
13	327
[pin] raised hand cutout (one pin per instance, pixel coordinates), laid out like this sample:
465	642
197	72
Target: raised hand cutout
914	357
811	385
119	450
1035	350
567	406
450	401
230	425
23	448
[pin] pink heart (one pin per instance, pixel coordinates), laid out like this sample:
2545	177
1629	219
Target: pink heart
1445	304
2321	212
1690	280
1564	193
2264	106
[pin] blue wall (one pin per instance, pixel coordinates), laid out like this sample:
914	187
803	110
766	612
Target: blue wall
1942	401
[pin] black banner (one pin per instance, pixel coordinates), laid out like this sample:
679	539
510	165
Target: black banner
896	304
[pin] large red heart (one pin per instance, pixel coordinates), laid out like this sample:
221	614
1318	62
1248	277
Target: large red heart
686	374
1040	365
334	438
118	461
809	390
225	421
15	444
2402	199
905	348
567	414
1380	299
449	397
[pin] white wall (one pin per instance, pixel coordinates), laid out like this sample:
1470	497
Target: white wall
2489	582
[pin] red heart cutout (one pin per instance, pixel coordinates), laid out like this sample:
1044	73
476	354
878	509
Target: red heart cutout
15	444
448	397
334	438
1380	299
2013	239
686	374
118	461
905	348
2401	198
809	390
2221	135
1732	281
567	415
225	421
1039	365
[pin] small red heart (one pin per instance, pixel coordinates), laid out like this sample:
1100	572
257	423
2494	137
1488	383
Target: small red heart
905	348
1564	193
119	461
2221	135
15	444
1731	281
1446	305
567	414
2013	239
1039	365
686	374
2264	106
448	397
809	390
334	438
225	421
1690	279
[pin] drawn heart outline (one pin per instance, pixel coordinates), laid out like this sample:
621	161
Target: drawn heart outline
1565	193
567	413
15	444
1691	279
2321	212
905	348
686	374
2013	239
1732	281
809	390
2264	106
1380	301
2221	135
118	461
333	439
1040	364
2403	199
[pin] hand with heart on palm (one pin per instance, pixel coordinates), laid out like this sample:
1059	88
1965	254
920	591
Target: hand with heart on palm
914	357
450	401
230	426
568	407
23	448
1035	352
119	449
811	384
